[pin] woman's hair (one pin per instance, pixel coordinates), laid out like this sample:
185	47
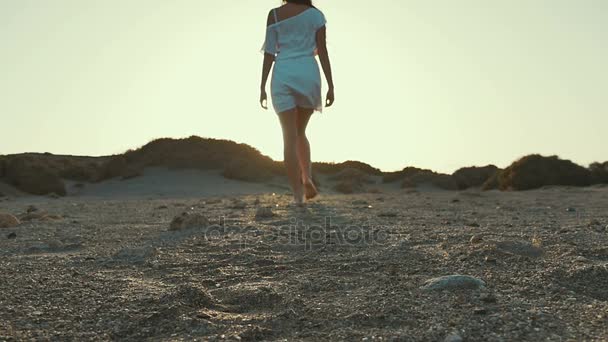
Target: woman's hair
301	2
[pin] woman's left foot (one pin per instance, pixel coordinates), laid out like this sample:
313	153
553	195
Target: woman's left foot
310	189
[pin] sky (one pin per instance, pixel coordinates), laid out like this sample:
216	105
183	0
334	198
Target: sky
438	84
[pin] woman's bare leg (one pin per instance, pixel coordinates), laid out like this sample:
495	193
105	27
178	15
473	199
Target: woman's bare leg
303	150
290	154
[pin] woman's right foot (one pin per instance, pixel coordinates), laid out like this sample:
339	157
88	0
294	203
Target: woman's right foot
298	197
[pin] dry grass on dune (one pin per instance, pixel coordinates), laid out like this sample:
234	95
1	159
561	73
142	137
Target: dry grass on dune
439	180
351	180
411	177
43	173
492	183
535	171
599	172
395	176
468	177
334	168
239	161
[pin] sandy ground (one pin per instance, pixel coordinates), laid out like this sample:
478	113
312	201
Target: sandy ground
349	267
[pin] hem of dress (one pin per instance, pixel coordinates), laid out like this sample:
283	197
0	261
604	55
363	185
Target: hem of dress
314	109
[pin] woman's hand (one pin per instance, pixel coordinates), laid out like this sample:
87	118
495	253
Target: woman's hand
329	100
263	99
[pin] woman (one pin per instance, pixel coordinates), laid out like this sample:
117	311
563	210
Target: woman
295	33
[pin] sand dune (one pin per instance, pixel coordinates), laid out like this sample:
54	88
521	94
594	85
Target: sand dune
41	174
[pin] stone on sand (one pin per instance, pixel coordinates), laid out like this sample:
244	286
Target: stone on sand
188	221
238	204
476	239
453	282
8	221
453	337
264	212
33	215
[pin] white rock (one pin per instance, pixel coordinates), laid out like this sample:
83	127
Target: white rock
453	282
454	337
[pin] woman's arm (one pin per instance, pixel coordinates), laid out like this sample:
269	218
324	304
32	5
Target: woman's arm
325	64
266	66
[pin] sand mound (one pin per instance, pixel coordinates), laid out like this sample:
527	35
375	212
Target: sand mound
247	170
351	180
409	171
334	168
28	174
239	161
535	171
589	281
439	180
412	177
599	171
493	182
468	177
45	173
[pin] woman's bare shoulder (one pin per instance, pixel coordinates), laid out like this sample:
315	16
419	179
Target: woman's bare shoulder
271	18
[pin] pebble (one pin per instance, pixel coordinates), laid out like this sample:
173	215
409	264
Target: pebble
476	239
453	282
581	259
453	337
388	214
238	204
594	223
8	221
480	311
264	212
12	235
188	221
487	298
33	215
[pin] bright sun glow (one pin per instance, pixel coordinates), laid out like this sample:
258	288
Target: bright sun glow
435	84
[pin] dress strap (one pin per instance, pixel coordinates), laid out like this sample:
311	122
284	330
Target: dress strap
276	19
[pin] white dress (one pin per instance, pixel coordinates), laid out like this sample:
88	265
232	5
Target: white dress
296	78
